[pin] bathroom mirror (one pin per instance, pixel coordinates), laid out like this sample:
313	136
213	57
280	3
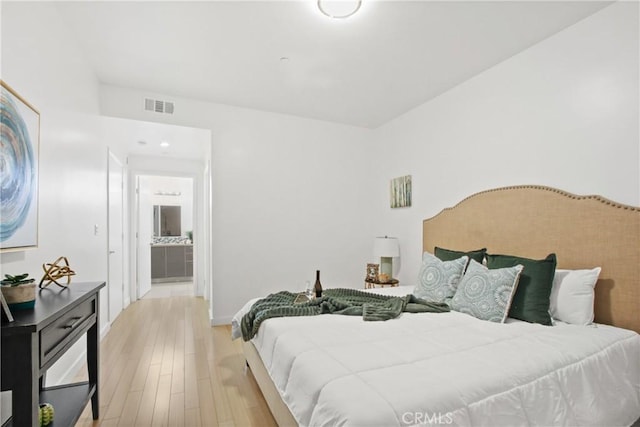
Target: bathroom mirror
166	221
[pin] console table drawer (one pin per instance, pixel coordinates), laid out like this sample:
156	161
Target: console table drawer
62	331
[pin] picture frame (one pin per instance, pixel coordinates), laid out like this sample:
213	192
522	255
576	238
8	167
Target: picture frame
20	133
372	272
400	189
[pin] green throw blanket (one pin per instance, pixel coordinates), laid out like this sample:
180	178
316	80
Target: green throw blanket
371	307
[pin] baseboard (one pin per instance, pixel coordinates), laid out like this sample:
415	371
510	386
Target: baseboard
226	320
79	362
71	372
105	330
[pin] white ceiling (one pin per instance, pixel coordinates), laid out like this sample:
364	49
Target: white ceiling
144	139
387	59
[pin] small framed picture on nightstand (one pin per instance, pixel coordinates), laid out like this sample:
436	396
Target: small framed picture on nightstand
372	272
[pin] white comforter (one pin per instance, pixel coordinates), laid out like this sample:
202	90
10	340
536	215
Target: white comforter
451	369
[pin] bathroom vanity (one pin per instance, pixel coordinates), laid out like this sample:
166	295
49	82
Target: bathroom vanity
171	262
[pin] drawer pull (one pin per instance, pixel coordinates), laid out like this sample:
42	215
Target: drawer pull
71	325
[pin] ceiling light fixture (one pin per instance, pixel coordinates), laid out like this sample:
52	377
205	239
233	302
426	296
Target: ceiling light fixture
339	9
164	144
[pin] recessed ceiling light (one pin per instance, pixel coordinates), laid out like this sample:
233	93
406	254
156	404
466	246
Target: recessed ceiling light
339	8
164	144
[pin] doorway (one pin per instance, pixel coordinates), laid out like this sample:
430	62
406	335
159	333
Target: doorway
165	236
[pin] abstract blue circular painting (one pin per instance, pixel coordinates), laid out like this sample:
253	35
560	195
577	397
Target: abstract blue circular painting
19	133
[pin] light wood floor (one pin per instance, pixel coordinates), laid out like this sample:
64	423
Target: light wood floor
170	289
162	364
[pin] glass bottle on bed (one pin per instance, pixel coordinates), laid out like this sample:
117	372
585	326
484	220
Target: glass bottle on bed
318	286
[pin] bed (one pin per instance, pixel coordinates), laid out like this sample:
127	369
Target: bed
453	369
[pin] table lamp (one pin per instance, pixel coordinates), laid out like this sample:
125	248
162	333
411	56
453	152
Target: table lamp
386	248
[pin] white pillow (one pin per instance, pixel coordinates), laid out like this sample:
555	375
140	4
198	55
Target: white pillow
572	296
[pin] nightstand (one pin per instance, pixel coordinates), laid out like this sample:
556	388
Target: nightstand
368	284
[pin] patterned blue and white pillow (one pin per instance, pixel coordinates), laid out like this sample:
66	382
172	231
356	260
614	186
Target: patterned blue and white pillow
438	280
486	294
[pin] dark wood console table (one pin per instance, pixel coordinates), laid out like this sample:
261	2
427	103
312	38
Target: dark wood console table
37	339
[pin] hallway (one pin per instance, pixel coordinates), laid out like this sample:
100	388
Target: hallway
163	365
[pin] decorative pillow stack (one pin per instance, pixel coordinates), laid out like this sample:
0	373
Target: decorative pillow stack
486	294
437	279
531	300
509	286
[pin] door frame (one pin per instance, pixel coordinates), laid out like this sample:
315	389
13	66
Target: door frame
141	246
201	215
112	157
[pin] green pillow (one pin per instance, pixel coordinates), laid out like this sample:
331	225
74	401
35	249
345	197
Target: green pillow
531	301
449	255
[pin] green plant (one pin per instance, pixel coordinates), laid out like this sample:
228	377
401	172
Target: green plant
20	279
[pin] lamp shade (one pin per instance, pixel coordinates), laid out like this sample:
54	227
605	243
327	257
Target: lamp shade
339	8
386	247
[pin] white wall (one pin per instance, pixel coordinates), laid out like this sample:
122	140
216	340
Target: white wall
40	61
563	113
289	196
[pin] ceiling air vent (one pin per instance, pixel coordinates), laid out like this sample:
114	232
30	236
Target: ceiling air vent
158	106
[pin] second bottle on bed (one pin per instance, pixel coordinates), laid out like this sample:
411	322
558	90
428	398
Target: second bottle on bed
318	287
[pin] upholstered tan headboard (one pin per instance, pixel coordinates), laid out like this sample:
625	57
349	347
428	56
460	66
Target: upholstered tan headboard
533	221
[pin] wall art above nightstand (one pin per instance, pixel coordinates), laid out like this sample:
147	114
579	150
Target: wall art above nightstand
400	189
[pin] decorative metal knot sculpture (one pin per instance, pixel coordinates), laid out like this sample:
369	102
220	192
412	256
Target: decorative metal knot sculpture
55	271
